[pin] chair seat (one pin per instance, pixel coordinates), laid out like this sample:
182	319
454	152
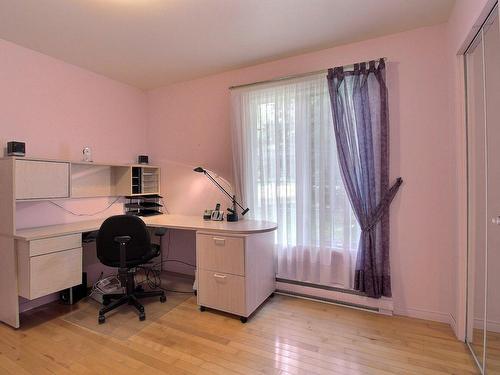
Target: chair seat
153	253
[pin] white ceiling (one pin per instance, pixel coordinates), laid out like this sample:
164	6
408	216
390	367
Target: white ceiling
151	43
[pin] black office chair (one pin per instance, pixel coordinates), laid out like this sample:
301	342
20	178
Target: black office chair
124	242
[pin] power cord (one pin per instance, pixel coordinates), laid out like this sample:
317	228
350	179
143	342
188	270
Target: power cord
85	214
151	277
168	253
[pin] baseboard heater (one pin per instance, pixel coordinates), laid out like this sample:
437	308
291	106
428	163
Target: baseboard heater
335	295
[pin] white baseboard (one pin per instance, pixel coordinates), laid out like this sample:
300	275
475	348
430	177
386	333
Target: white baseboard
382	305
491	325
435	316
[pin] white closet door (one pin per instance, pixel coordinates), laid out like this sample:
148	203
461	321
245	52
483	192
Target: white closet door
476	135
483	134
491	37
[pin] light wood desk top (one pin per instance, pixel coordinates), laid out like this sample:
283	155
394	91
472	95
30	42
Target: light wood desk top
160	221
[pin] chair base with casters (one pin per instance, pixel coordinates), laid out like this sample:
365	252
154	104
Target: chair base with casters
131	297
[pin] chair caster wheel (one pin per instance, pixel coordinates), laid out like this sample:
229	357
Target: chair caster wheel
202	308
243	319
101	319
163	298
142	317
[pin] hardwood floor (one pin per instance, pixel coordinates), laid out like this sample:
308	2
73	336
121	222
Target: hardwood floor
286	336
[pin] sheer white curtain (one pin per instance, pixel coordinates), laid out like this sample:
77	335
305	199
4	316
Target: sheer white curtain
286	171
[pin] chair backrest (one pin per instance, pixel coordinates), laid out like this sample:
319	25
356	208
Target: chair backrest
108	251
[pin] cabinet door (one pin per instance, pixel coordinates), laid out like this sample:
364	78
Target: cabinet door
42	275
221	253
41	179
222	291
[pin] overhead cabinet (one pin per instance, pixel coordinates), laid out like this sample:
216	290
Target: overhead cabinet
36	179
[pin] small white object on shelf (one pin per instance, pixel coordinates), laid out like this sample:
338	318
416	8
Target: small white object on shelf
87	154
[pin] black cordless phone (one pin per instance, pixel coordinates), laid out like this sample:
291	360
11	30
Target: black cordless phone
217	215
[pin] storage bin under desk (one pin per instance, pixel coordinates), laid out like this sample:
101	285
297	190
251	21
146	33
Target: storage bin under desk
48	265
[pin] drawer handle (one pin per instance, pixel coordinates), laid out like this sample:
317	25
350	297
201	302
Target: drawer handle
219	276
219	241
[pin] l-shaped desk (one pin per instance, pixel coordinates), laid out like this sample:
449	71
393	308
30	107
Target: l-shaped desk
235	262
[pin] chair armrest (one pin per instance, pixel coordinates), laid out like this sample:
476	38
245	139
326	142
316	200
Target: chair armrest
122	239
160	232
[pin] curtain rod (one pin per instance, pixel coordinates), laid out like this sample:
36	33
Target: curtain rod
293	76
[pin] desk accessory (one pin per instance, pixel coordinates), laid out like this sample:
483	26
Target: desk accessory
207	215
144	205
232	214
87	154
15	148
108	285
217	214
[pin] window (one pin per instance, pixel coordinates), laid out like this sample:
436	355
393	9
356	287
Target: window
287	170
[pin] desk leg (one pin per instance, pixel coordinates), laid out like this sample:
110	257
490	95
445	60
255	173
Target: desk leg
9	300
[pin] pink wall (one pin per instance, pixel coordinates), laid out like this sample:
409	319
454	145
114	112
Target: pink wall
461	24
57	109
189	125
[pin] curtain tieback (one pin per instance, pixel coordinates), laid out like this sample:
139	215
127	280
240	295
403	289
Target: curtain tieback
383	206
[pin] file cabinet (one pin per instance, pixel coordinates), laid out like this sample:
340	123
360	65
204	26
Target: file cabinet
236	273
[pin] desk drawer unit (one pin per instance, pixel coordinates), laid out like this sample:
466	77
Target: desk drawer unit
235	273
221	253
54	244
48	265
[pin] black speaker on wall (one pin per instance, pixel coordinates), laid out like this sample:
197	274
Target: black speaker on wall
74	294
15	148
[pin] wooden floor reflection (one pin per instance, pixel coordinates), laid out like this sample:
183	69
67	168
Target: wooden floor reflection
492	353
286	336
477	343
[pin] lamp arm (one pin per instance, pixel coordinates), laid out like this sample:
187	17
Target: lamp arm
218	185
232	197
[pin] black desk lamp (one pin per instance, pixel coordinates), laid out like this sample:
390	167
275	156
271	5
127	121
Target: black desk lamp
233	214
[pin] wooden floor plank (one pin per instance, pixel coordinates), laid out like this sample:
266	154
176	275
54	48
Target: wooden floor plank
287	336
